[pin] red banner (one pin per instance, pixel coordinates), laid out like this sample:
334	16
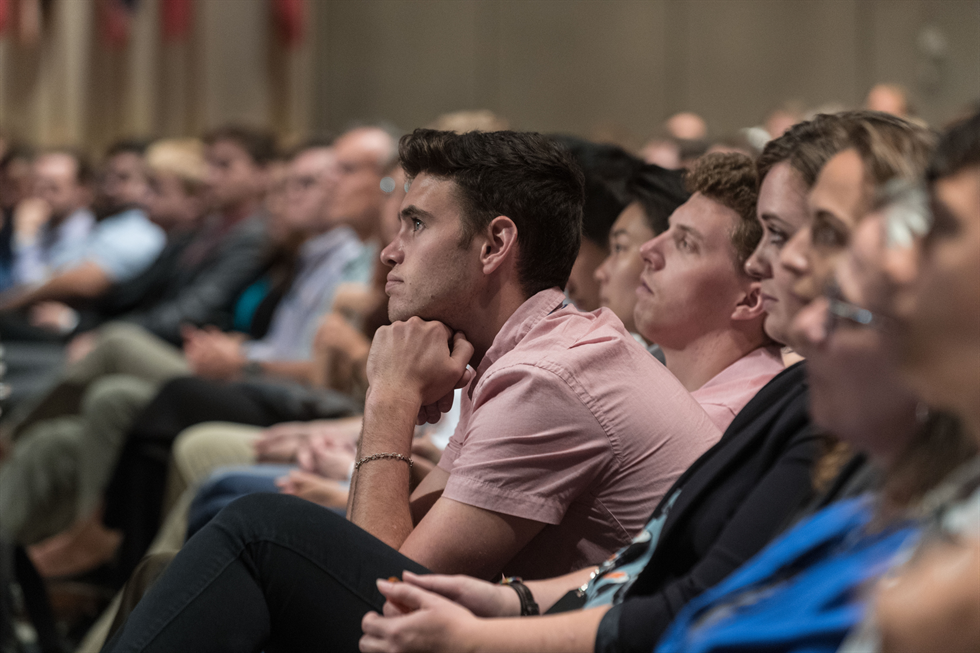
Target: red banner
176	19
290	16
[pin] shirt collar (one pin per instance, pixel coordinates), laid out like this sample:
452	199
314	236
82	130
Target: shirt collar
518	325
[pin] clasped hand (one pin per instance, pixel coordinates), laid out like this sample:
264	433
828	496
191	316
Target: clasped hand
433	612
412	361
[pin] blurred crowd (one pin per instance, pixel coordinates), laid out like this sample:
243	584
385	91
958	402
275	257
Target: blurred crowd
718	394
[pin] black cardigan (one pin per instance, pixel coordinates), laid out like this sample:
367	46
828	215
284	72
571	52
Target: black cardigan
734	500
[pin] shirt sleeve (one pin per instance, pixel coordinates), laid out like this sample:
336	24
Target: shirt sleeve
530	447
124	248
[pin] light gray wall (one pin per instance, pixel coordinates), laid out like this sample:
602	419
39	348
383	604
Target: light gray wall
618	67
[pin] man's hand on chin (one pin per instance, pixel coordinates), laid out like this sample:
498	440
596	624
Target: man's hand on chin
418	362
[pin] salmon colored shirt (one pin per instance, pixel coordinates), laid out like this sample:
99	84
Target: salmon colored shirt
570	422
729	390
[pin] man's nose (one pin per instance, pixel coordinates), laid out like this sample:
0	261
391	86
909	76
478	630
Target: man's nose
651	252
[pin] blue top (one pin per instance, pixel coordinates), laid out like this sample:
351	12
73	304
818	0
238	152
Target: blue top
803	592
124	244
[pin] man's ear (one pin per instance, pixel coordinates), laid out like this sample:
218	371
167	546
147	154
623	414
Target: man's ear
750	306
499	243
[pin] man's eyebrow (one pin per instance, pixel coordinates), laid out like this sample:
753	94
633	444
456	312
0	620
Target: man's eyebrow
413	211
690	230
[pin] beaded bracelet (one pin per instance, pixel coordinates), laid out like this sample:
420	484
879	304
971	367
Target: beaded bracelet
380	456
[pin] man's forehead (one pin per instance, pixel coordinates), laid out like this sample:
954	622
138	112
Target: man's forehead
703	216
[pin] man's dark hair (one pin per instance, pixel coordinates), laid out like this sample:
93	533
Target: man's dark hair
659	192
135	146
958	148
259	144
607	169
730	180
521	175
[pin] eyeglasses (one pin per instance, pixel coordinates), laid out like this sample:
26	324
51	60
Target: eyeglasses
840	310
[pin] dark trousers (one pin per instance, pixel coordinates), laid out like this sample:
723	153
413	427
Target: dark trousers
269	573
135	493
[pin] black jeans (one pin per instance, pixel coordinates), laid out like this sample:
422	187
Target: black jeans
135	493
269	573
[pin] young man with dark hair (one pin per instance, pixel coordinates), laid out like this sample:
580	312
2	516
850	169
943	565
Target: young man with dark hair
569	431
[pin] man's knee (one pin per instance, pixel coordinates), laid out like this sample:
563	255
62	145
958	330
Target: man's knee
200	449
118	393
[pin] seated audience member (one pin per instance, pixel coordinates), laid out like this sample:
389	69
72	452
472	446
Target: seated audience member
788	169
777	600
52	226
121	244
197	281
607	170
695	299
929	253
654	194
457	259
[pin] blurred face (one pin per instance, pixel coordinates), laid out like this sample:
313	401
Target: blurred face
432	275
836	204
690	283
856	392
310	179
56	182
619	274
939	323
124	182
168	202
15	182
358	198
233	178
782	211
582	287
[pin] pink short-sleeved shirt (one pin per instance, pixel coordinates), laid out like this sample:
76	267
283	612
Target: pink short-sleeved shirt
570	422
729	390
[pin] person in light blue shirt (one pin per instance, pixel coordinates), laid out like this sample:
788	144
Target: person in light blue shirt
86	256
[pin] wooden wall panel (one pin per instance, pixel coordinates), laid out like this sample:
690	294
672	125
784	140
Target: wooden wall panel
603	68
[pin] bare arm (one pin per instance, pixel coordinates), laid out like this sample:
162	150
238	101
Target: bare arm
379	499
456	538
410	366
85	281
